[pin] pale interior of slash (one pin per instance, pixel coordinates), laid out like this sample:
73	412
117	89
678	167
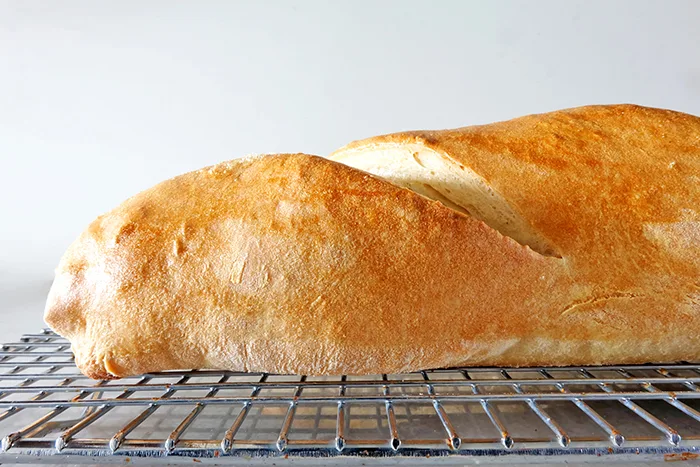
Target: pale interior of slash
432	175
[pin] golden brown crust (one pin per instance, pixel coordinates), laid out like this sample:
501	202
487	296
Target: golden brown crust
298	264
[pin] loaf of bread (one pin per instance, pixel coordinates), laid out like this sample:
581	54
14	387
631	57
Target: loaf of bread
566	238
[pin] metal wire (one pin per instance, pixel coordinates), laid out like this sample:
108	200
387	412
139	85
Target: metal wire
456	412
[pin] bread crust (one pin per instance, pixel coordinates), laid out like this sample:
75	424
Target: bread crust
298	264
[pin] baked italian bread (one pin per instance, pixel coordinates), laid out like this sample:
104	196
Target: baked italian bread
566	238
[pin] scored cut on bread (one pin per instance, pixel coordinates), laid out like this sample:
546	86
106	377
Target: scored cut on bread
566	238
428	172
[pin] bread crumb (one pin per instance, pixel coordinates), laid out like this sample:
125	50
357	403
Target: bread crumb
237	271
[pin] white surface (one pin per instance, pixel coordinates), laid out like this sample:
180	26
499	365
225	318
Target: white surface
99	100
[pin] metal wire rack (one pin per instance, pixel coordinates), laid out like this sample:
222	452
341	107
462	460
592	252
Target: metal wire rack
49	409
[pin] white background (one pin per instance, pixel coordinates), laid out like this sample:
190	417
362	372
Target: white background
99	100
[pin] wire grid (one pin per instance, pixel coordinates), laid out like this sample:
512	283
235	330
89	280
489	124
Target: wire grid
48	408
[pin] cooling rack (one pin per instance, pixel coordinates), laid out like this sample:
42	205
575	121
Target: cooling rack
50	412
